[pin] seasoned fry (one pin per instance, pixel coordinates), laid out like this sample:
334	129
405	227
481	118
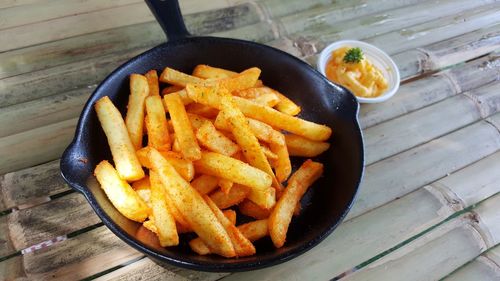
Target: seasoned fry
222	166
205	184
269	154
184	167
225	185
229	214
287	106
120	193
192	206
206	95
242	246
245	79
156	124
283	121
143	188
209	72
162	216
260	129
178	78
280	217
171	89
209	137
122	149
202	110
282	164
181	92
235	195
182	127
154	87
139	91
249	208
197	121
299	146
266	99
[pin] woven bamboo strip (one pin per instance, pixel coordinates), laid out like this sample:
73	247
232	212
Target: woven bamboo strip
440	29
40	112
146	269
482	268
412	129
31	185
461	240
428	90
25	149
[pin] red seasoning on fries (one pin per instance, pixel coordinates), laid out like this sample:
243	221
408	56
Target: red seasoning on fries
196	151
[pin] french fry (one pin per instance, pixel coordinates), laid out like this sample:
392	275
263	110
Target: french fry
205	184
185	168
283	121
260	129
299	146
181	92
242	246
202	110
171	89
120	193
178	78
245	79
175	144
225	185
122	149
286	105
192	206
156	124
281	215
182	127
229	214
222	166
154	87
207	95
147	237
139	91
249	208
161	214
266	99
209	72
271	156
215	141
143	188
248	143
282	164
253	231
236	194
197	121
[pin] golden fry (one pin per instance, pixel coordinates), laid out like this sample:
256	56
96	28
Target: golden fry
162	216
156	124
282	164
266	99
225	185
120	193
182	127
205	184
143	188
171	89
202	110
249	208
209	137
285	105
122	149
245	79
281	215
184	167
208	72
229	214
154	87
299	146
178	78
139	91
236	194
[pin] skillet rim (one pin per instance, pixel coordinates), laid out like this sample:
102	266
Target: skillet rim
208	267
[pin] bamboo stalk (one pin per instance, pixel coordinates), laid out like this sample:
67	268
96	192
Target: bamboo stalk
146	269
412	129
428	90
441	253
482	268
395	176
34	184
35	146
40	112
443	28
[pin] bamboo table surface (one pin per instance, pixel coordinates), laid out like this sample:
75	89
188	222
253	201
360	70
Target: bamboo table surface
427	209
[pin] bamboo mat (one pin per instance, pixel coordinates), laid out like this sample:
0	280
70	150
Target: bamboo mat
427	207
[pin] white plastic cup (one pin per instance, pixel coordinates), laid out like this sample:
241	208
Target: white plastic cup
376	56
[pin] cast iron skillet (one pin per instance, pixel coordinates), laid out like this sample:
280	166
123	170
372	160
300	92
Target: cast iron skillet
324	205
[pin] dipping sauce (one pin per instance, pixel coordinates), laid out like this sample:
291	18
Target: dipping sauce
348	67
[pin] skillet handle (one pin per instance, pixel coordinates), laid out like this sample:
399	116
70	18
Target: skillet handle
168	14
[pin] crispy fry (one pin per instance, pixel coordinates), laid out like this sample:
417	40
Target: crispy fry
171	89
280	217
182	127
225	185
156	124
120	193
161	214
222	166
122	149
229	214
202	110
271	156
207	95
184	167
249	208
236	194
283	166
266	99
286	105
245	79
182	94
178	78
143	188
139	91
205	184
209	72
154	87
192	206
283	121
197	120
260	129
242	246
209	137
299	146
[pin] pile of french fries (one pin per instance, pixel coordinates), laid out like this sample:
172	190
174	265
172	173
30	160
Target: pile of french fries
217	141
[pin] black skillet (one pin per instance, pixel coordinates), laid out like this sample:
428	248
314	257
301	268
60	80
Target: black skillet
324	205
